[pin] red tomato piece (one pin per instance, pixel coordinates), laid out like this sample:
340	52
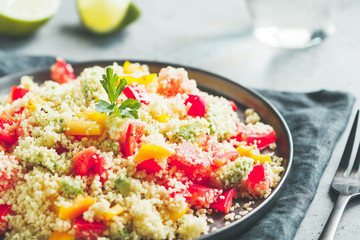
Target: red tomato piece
262	139
150	166
202	196
84	160
7	136
5	118
196	164
256	175
198	105
62	72
5	210
224	202
134	92
17	92
233	105
133	134
222	159
88	230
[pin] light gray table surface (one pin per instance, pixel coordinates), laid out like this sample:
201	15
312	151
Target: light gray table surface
217	36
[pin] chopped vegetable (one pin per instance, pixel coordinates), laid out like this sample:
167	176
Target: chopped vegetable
114	211
203	196
231	174
62	72
152	151
5	210
89	159
134	92
133	134
122	184
61	236
224	201
251	135
175	215
69	190
80	205
247	151
17	93
198	105
162	118
145	80
150	166
88	230
233	105
130	68
84	128
100	118
126	109
256	175
33	103
222	159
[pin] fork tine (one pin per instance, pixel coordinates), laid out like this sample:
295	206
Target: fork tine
355	168
349	145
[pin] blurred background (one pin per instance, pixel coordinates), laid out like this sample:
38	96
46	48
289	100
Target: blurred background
212	35
217	36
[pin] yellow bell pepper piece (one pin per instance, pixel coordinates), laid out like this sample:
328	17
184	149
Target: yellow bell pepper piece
80	205
84	128
100	118
34	102
162	118
152	151
140	80
247	152
61	236
174	216
114	211
130	68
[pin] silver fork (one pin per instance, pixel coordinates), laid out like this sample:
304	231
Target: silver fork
345	183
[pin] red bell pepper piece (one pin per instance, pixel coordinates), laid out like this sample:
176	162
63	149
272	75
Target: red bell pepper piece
224	201
62	72
233	105
88	230
17	92
7	133
150	166
133	134
256	175
262	139
202	196
5	210
198	105
133	92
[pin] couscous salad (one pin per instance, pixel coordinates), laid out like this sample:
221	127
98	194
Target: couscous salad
122	153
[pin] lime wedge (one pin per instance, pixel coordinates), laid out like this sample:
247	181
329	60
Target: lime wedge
107	16
23	17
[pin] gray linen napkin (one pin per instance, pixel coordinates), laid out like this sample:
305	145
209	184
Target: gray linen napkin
316	121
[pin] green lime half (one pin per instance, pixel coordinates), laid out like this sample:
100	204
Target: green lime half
23	17
107	16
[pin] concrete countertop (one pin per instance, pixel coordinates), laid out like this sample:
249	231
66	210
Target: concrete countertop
218	38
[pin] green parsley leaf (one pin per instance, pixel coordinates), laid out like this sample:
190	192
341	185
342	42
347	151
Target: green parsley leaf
127	109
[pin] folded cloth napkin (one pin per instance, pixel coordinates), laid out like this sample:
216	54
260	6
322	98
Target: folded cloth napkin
316	121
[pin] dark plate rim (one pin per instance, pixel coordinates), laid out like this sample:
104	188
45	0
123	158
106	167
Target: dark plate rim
268	202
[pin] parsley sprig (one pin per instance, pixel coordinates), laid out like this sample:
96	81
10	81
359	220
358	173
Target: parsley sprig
127	109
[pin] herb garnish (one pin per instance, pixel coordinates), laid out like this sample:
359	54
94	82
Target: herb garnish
128	108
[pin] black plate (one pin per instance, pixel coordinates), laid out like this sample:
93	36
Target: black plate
217	85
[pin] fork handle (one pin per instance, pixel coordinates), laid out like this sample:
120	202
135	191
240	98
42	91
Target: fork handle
332	223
